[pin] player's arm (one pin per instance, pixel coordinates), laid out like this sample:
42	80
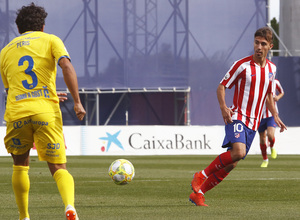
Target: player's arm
279	96
271	106
70	79
279	89
226	112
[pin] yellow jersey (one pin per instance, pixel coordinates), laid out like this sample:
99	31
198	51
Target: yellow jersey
28	70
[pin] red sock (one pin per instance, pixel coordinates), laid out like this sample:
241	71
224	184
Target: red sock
263	148
220	162
213	180
272	142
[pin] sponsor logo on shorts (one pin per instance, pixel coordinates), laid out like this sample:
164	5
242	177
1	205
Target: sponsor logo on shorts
52	149
16	141
17	144
19	124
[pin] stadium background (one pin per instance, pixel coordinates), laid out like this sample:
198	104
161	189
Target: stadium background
151	62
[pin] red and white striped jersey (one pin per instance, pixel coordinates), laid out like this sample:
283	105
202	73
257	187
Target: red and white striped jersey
252	84
278	90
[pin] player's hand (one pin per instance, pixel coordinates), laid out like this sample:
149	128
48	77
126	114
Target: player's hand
280	124
62	96
79	110
226	114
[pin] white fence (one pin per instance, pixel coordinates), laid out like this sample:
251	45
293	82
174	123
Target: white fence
158	140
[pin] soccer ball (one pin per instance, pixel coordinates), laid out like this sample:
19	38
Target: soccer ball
121	171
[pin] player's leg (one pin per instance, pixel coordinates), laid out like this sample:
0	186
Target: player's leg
263	144
18	142
238	151
271	135
218	163
238	139
263	141
65	184
64	181
271	139
263	148
21	183
213	180
216	172
51	148
216	178
235	140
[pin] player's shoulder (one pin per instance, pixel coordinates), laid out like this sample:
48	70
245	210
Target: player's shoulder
55	39
271	63
53	36
277	82
243	60
48	35
11	43
272	66
43	35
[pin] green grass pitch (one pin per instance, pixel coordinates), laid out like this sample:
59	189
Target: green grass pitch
160	189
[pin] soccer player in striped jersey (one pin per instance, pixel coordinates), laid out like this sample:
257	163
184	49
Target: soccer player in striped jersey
267	127
32	115
253	78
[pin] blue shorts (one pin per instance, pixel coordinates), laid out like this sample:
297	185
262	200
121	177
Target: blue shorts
265	123
237	131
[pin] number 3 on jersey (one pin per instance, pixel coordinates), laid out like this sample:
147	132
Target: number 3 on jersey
28	71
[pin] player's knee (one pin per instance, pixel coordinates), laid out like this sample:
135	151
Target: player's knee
54	167
271	138
238	155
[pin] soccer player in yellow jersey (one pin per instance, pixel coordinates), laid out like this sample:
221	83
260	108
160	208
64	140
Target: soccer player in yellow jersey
28	71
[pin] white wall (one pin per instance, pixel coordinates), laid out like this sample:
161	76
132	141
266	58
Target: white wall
158	140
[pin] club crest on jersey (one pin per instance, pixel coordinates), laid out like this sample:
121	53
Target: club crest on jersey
227	76
271	75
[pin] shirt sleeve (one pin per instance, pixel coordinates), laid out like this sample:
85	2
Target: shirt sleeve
273	82
58	49
279	87
232	76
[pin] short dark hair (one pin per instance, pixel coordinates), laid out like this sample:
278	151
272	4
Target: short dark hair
266	33
31	18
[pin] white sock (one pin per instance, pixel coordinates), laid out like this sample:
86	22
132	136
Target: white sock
204	174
